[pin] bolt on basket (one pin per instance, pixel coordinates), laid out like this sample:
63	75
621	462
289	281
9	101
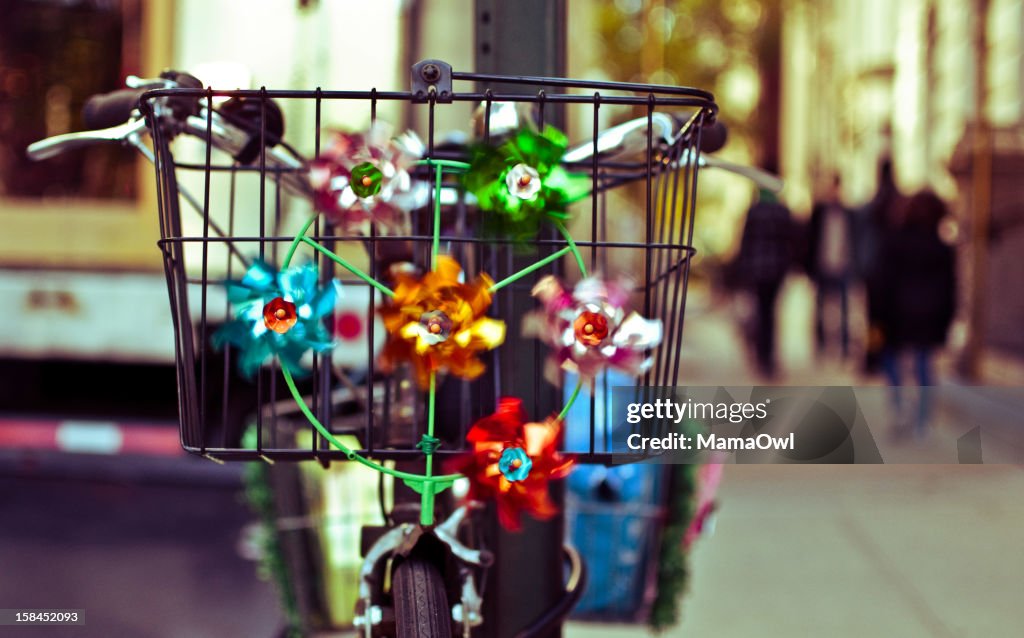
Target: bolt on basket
255	202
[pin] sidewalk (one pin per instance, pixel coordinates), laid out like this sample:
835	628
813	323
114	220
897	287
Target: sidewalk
853	551
847	551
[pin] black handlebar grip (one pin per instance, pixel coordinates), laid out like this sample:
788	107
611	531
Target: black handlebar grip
713	137
110	109
182	79
247	114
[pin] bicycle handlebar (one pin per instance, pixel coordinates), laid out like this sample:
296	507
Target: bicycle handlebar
53	146
110	109
116	117
108	112
235	141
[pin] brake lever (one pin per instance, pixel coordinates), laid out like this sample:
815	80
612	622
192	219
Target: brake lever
57	144
135	82
626	138
762	178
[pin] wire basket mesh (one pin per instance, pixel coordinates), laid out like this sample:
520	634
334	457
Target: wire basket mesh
637	220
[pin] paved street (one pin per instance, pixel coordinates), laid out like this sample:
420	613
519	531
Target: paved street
143	561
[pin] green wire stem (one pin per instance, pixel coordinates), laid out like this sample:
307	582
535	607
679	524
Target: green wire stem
341	261
526	271
427	496
435	246
462	166
572	245
431	398
298	238
572	400
352	456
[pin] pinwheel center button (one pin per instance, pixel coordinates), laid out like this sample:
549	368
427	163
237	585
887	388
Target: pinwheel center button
523	181
591	328
437	324
515	464
279	315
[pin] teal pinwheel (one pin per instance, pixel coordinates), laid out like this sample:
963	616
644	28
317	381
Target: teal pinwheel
277	313
521	182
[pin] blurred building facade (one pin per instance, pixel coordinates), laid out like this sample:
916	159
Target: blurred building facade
936	85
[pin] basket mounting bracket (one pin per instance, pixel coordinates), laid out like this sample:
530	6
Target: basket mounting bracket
431	76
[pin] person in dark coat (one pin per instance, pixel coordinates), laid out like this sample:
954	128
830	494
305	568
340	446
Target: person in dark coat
873	225
916	296
764	258
830	263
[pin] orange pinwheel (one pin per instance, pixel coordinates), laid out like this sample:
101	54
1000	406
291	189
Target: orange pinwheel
439	324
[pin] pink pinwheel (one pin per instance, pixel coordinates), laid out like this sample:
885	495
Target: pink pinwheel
589	329
364	177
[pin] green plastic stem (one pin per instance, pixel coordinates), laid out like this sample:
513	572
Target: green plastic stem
431	399
349	267
437	220
427	496
446	163
526	271
352	456
572	400
572	245
298	239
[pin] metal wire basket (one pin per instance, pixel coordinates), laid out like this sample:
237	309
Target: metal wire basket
638	219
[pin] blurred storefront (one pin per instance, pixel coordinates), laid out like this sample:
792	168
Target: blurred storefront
936	85
79	266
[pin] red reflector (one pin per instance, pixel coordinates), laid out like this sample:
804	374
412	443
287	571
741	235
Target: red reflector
91	437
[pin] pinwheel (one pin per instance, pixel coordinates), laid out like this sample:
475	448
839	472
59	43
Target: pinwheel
437	323
521	182
588	328
364	177
277	314
511	462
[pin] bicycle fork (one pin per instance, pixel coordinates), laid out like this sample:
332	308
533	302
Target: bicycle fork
400	541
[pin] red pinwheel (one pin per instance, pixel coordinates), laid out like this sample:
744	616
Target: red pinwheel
511	461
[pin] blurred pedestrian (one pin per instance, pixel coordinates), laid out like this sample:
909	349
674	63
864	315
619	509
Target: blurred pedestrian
830	263
874	223
917	298
764	258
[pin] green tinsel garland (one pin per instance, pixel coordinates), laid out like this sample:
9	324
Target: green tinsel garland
673	570
673	565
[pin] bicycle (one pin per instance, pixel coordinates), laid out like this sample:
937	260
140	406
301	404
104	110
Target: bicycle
430	549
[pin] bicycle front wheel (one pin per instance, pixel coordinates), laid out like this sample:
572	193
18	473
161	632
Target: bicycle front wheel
421	603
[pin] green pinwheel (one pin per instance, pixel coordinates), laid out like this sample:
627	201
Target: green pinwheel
521	182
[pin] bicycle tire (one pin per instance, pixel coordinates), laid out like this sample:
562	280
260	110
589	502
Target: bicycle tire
420	600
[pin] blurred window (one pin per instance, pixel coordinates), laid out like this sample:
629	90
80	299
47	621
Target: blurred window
54	54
